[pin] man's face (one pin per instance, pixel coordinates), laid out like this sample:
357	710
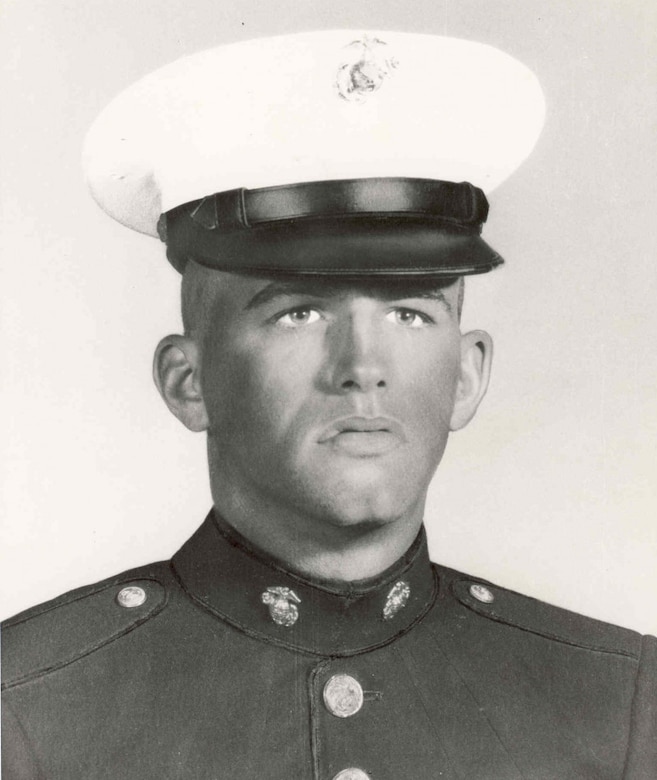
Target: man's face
330	398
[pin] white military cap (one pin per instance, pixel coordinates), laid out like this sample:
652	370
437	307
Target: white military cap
322	152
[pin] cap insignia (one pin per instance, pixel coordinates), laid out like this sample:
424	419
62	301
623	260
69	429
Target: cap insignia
368	65
282	603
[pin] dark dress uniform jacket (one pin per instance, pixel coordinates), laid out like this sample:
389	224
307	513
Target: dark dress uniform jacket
199	681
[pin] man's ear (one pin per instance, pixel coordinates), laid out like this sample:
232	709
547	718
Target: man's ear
177	371
476	359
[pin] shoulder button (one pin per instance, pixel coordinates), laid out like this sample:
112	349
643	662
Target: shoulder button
131	597
482	593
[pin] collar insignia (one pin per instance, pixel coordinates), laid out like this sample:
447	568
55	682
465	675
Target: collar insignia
397	598
282	603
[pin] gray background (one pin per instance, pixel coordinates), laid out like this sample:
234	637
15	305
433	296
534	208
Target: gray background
550	490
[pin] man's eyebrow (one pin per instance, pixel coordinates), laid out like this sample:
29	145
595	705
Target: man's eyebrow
433	295
282	288
328	289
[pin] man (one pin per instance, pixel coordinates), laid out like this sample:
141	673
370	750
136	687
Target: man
322	196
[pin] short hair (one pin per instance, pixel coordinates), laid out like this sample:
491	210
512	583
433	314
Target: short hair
197	293
199	286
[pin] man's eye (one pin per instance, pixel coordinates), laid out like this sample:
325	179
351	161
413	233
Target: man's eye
408	318
302	315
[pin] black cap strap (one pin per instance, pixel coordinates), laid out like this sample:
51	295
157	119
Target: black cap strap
371	226
462	205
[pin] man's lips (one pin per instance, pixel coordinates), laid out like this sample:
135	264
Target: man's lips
356	424
363	436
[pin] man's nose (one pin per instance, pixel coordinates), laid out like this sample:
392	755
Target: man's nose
357	356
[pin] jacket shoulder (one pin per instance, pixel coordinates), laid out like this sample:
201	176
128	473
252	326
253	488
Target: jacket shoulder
56	633
594	658
508	607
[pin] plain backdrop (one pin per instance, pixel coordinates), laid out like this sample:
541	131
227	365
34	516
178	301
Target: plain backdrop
550	491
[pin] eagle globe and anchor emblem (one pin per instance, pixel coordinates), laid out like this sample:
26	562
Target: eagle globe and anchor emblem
370	63
282	603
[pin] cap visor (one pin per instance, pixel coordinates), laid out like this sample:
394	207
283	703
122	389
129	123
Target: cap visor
375	246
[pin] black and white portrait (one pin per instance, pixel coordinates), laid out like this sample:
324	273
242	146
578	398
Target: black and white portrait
388	297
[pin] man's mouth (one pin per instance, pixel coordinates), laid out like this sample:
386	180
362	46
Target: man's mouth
363	436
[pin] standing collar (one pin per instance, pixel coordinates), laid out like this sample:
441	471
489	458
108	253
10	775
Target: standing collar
222	572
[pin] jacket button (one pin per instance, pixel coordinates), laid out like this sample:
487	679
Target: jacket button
352	774
130	597
343	697
482	593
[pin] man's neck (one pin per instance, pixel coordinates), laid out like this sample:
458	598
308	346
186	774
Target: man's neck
315	546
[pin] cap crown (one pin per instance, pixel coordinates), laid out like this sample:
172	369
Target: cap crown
316	106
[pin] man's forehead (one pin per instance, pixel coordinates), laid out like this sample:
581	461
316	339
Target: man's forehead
263	287
386	288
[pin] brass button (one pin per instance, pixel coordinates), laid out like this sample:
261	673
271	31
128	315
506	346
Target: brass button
482	593
343	697
353	773
130	597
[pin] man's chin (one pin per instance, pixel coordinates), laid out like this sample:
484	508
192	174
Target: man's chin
364	506
360	522
360	490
